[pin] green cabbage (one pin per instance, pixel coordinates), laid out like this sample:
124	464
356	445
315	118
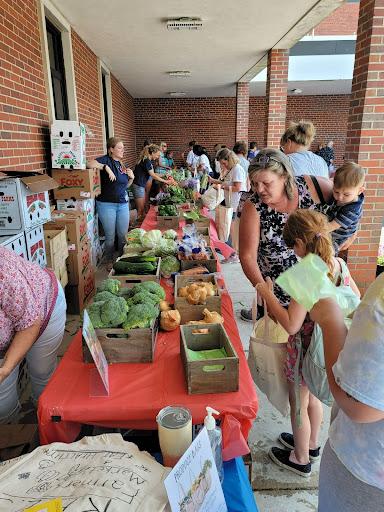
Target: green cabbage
170	233
169	265
151	239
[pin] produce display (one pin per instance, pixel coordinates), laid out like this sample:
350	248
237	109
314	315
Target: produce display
192	246
177	194
210	317
167	210
138	265
170	320
150	243
132	308
197	293
169	265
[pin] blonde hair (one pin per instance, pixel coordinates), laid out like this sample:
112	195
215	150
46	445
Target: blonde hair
302	133
229	156
349	175
274	161
111	143
147	152
311	228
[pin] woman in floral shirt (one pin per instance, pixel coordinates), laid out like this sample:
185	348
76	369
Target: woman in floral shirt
32	321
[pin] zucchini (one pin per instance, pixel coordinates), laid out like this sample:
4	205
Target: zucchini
138	259
124	268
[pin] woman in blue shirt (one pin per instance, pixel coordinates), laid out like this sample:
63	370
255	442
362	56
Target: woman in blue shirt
112	204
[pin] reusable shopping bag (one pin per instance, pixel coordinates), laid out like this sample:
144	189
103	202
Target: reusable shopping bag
266	359
223	218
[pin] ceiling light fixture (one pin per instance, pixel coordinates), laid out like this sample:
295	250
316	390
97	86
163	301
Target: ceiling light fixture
177	94
179	73
296	91
184	23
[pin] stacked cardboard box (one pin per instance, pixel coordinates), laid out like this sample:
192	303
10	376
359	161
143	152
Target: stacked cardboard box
24	208
81	277
56	247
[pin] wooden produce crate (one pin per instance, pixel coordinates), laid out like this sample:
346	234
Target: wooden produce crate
168	222
189	312
134	346
201	377
129	280
210	263
203	223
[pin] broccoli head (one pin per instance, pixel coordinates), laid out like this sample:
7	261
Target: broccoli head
114	312
94	314
103	296
144	297
127	293
151	287
109	285
140	316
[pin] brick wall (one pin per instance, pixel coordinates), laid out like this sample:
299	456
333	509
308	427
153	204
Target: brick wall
242	111
88	94
343	21
23	102
124	120
177	121
276	96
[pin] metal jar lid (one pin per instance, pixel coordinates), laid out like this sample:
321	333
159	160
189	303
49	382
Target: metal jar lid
173	417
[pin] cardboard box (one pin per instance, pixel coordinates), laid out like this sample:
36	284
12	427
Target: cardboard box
76	225
15	243
78	296
24	202
77	184
79	205
79	261
34	239
56	247
62	275
68	145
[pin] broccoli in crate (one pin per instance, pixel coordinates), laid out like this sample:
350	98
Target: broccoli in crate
140	316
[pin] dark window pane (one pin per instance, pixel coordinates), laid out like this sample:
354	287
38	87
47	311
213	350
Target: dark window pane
105	103
56	62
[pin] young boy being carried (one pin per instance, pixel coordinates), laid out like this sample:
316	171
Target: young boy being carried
346	207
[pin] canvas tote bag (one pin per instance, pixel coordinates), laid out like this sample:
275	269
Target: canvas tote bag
266	358
223	218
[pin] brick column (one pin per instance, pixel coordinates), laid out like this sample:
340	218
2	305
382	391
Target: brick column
276	96
242	111
365	136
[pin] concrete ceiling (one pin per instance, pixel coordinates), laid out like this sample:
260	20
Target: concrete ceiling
131	38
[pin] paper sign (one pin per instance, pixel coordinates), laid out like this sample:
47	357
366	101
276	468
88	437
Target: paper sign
55	505
193	484
96	351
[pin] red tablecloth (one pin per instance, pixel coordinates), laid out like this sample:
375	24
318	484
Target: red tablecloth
138	391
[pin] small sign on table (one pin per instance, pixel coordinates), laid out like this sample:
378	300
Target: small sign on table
99	377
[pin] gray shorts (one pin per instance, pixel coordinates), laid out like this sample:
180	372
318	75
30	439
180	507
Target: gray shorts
341	491
138	191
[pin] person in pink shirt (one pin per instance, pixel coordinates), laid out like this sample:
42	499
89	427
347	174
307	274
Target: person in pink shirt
32	322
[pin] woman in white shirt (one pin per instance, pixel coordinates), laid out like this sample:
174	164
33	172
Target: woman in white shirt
352	465
233	181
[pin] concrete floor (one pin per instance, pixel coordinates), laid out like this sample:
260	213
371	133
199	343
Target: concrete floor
276	489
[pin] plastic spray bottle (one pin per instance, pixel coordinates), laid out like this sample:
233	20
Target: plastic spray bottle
215	438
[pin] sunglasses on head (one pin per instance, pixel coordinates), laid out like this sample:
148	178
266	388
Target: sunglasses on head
263	160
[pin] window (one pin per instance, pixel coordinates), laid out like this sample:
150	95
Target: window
106	100
104	92
57	69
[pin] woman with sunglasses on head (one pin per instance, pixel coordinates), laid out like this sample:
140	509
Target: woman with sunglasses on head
263	252
112	204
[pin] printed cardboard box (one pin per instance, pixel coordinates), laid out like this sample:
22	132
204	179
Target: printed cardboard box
56	247
24	202
77	184
78	296
79	261
76	225
81	205
34	239
68	145
15	243
62	275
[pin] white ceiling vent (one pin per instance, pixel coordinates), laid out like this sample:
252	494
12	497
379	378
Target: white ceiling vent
177	94
179	73
184	24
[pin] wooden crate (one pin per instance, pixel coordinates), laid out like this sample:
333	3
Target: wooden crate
198	376
210	264
203	223
168	222
189	312
134	346
129	280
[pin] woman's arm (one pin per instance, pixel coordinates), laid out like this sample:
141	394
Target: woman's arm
325	185
94	164
329	316
20	344
292	318
157	177
249	236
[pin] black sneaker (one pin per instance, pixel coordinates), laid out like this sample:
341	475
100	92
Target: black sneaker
287	440
246	315
281	458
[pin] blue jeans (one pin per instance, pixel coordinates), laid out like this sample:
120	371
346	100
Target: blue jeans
114	218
